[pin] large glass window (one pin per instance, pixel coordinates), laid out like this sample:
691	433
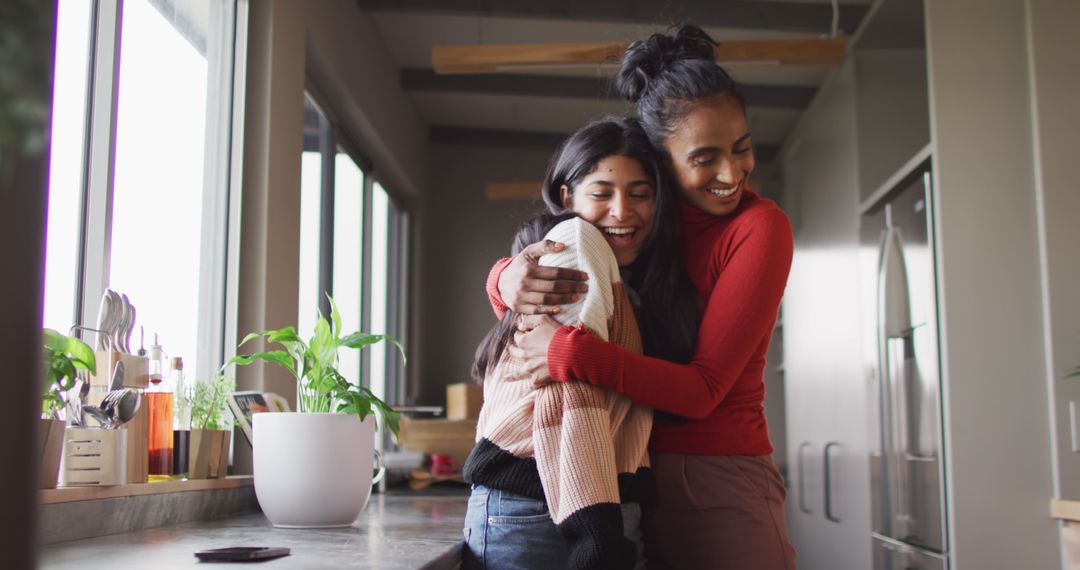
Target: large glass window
348	252
352	246
316	127
158	186
67	162
141	167
380	217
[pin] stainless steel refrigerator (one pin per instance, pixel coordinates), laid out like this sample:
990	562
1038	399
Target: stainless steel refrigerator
901	352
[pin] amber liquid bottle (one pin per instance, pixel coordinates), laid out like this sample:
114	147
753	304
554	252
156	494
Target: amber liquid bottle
159	402
160	405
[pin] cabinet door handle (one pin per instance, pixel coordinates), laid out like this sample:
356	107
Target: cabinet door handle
828	482
802	478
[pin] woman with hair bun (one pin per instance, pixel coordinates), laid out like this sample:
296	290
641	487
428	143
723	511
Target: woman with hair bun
720	498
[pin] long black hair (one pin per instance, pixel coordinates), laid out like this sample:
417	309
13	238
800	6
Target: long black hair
669	311
665	74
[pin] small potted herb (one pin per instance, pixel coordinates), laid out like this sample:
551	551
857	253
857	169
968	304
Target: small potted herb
64	357
313	468
208	443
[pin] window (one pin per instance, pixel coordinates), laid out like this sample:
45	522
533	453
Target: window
139	191
68	153
352	246
348	252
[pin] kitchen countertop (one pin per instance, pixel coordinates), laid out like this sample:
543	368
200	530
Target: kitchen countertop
396	530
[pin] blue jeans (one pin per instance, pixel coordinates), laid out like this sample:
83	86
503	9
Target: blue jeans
505	530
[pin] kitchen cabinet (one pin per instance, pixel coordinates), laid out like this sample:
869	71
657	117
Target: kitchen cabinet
825	385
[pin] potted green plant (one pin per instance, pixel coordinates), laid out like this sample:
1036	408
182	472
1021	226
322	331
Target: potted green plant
208	442
64	357
313	468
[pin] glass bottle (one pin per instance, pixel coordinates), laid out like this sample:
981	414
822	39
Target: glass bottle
181	417
159	402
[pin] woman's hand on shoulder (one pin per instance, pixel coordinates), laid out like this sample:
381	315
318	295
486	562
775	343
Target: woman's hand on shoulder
528	288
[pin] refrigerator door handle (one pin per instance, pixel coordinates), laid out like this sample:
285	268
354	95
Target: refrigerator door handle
802	478
894	333
828	482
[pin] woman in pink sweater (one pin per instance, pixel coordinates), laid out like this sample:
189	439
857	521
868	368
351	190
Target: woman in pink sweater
559	473
720	499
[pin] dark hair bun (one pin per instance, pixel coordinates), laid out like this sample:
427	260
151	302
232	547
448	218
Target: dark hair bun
646	60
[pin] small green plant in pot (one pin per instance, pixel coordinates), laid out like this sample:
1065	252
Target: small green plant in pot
313	468
64	357
208	442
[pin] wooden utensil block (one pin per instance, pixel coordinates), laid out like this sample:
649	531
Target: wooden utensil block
463	401
454	438
208	454
136	369
50	447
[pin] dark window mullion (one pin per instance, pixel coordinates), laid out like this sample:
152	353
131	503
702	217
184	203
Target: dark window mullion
327	146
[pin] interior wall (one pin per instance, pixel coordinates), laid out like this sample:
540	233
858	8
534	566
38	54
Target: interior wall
998	461
335	45
1054	58
463	234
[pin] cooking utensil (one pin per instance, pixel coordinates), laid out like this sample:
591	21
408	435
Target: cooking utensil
73	400
122	406
118	320
117	380
121	327
104	314
130	324
95	412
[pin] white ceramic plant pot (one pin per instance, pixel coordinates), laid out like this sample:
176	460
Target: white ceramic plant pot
313	470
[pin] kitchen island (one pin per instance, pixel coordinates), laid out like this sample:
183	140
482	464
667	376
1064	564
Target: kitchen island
396	530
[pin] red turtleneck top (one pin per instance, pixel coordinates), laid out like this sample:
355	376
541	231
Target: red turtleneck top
739	264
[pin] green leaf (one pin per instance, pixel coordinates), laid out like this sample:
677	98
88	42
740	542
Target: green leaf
360	339
55	341
283	335
335	317
323	341
1073	373
279	357
81	354
251	337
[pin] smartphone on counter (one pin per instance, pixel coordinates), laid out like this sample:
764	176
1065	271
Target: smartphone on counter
241	553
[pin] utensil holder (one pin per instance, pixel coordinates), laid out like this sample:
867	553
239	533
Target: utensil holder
137	441
136	369
94	456
208	456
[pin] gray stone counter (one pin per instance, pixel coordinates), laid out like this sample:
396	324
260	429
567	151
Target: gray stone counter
396	530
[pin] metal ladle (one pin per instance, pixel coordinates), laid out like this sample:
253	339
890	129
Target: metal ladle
124	406
103	419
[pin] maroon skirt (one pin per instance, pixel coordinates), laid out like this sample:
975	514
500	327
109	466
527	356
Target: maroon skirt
717	512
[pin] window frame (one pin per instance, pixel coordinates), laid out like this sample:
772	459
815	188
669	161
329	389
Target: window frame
219	243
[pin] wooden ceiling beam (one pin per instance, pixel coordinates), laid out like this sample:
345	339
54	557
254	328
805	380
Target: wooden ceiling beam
787	16
578	87
534	140
493	58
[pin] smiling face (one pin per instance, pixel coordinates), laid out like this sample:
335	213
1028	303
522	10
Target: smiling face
711	154
619	198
